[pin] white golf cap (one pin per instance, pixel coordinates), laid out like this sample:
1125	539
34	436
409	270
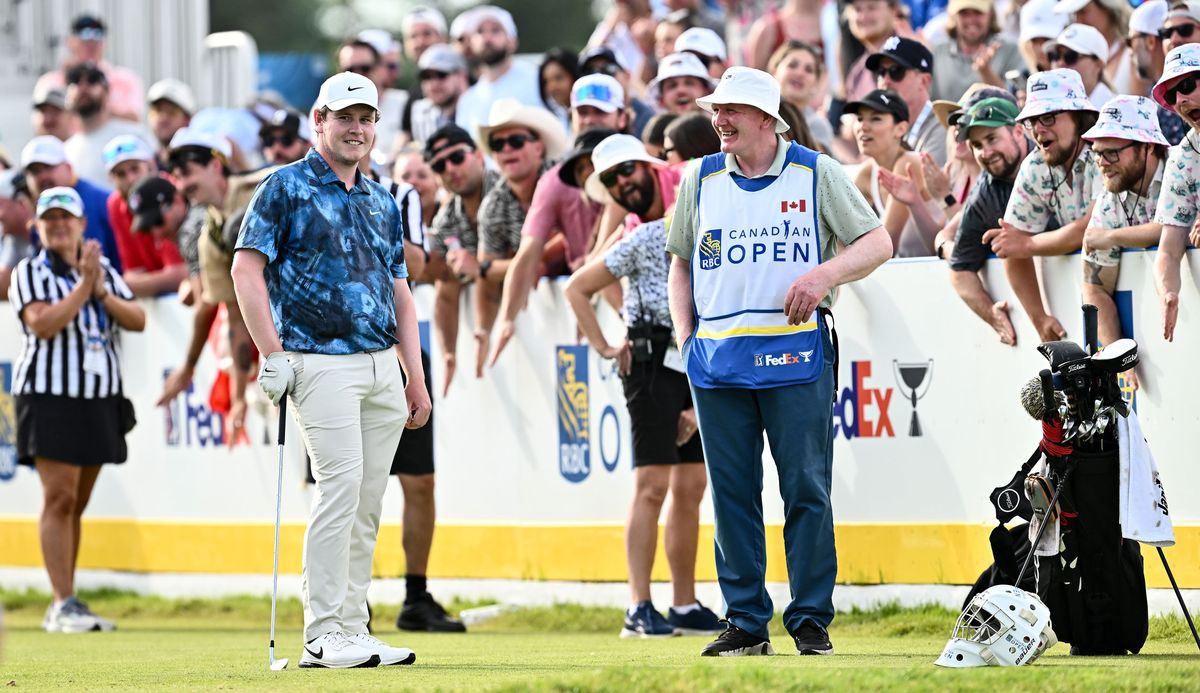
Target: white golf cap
347	89
440	57
1039	20
45	149
124	148
202	139
1148	17
1184	9
678	65
614	150
380	40
1083	39
174	91
701	40
598	90
61	197
748	87
478	15
8	183
1128	117
422	14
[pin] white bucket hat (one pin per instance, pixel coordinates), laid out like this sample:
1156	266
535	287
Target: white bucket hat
1052	91
1128	118
1083	39
507	113
614	150
749	87
1181	61
677	65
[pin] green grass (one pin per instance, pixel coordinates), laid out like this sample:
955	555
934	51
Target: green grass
220	644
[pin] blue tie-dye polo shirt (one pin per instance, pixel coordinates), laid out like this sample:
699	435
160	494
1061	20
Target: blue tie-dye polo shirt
332	255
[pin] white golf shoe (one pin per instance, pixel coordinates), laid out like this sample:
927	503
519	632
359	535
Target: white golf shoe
388	655
336	651
73	616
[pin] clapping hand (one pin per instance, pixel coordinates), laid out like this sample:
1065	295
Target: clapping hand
903	188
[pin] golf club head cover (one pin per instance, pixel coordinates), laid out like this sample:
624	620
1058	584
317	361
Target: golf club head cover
1009	500
1061	352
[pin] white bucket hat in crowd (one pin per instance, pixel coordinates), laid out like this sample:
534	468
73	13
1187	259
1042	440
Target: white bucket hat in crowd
677	65
1148	17
1053	91
749	87
507	113
702	40
44	149
1181	61
347	89
1039	20
614	150
124	148
1128	117
60	198
1083	39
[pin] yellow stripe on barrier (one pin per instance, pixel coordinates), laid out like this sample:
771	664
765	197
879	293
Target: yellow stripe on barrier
867	553
751	331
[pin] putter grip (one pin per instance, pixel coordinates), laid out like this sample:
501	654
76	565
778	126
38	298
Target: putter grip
282	418
1091	341
1051	411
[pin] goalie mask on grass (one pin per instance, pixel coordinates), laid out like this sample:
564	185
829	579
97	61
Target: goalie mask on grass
1002	626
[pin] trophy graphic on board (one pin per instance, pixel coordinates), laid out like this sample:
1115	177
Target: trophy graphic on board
913	380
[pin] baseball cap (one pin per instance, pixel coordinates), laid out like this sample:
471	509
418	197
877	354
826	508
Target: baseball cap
703	41
993	112
440	57
380	40
200	139
1054	91
750	87
1081	38
346	89
881	100
50	96
61	197
905	51
1039	20
598	90
949	112
1181	61
1128	118
600	53
286	119
1186	10
147	199
88	27
124	148
174	91
614	150
45	149
584	145
1148	17
677	65
422	14
447	136
478	15
11	181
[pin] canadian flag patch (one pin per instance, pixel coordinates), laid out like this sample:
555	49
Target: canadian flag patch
786	206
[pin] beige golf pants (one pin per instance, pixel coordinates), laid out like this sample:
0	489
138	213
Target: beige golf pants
351	411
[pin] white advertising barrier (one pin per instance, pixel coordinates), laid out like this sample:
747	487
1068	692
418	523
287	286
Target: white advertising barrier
534	460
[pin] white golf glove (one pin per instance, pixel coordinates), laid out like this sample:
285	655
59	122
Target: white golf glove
276	376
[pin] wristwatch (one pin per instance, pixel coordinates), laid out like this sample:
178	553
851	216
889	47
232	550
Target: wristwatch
483	268
949	200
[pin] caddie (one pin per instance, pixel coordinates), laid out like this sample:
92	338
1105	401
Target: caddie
754	272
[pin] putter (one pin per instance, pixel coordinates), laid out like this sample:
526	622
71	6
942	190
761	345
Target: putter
277	664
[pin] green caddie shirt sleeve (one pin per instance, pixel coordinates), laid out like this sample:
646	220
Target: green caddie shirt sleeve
681	230
845	214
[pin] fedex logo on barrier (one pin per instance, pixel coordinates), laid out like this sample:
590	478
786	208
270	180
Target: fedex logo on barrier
189	421
863	411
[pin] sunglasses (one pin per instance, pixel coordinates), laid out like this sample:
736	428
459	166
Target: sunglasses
609	177
427	75
455	158
1183	87
515	142
895	73
1066	57
1046	120
286	140
85	77
56	201
609	69
1184	31
360	69
1112	156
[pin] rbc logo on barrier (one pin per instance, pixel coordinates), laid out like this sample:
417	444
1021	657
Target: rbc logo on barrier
710	249
8	425
574	461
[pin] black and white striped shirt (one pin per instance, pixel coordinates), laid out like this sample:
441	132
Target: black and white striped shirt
55	366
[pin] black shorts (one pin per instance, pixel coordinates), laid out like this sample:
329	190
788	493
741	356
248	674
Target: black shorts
85	432
655	395
414	455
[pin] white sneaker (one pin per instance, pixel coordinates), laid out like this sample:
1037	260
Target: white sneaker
73	616
388	655
336	651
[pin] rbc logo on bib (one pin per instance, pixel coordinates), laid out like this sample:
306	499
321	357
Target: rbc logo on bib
710	249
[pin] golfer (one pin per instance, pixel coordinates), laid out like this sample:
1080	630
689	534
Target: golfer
319	274
750	285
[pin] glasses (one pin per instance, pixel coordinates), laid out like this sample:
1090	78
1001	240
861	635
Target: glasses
427	75
1067	57
625	170
362	69
1184	31
85	77
1112	156
56	201
1046	120
609	69
286	140
515	142
455	158
895	73
1183	87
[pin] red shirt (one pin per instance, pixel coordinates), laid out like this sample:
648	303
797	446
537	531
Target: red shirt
557	207
139	250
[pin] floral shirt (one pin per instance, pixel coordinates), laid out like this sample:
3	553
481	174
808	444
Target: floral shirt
1180	196
640	257
1121	210
1041	192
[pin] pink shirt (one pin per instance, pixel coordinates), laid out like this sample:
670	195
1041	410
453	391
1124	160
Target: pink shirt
668	182
126	94
559	208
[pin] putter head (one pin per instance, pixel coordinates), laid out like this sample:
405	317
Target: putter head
279	664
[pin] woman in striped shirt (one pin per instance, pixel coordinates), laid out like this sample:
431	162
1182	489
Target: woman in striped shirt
67	386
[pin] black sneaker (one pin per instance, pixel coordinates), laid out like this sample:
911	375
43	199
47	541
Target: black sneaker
812	639
425	614
735	642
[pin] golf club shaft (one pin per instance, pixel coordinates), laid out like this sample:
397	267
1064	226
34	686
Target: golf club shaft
1042	527
1179	595
278	507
